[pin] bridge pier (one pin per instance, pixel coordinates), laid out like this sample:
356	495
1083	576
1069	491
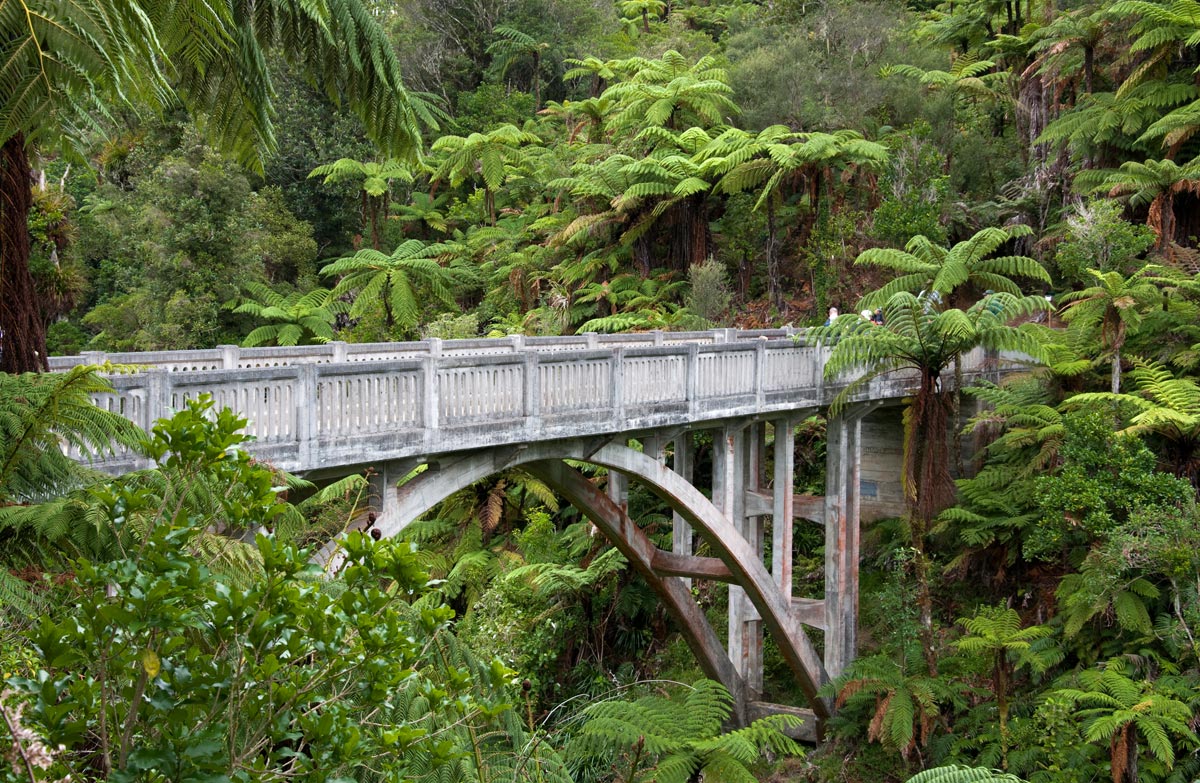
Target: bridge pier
735	473
842	496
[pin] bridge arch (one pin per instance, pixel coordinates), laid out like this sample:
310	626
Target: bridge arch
546	460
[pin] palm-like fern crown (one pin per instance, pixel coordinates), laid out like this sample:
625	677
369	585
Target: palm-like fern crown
1112	701
298	318
372	276
672	740
917	335
926	266
1113	298
1107	119
374	177
665	91
777	155
39	415
510	45
1145	182
959	774
967	74
590	67
904	702
997	630
491	153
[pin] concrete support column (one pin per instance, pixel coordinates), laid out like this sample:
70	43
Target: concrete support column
655	447
681	531
783	505
731	477
383	488
843	469
752	529
617	489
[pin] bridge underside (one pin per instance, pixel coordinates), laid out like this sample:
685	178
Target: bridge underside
733	518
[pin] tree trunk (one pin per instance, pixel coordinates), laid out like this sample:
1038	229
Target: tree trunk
1002	703
22	333
774	290
928	489
537	82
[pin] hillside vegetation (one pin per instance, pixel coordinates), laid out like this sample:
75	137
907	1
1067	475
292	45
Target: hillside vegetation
983	173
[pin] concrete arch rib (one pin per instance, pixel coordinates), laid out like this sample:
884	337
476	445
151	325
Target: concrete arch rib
431	487
639	551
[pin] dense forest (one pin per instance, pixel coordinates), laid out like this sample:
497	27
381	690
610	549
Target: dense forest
988	173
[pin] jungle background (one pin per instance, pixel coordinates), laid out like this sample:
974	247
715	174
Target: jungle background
1007	174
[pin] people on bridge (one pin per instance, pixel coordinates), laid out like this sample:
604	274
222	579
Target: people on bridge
833	314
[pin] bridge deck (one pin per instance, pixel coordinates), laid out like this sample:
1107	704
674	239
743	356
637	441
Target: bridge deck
337	405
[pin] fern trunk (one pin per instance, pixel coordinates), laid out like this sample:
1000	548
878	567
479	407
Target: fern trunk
22	333
1002	706
773	287
929	487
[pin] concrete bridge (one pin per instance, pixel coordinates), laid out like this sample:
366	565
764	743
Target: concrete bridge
468	409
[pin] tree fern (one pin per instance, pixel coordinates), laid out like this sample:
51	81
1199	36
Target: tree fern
39	415
997	506
960	774
675	739
1118	709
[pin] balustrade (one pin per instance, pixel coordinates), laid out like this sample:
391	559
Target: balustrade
363	403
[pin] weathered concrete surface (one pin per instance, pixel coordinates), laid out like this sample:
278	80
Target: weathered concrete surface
310	412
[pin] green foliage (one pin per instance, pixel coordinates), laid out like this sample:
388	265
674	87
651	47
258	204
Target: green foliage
1141	577
448	326
959	774
670	92
188	238
42	414
1120	710
919	336
924	266
1112	306
1099	238
300	319
160	661
998	631
914	191
177	660
393	281
996	508
840	48
489	106
672	740
902	704
1104	478
709	296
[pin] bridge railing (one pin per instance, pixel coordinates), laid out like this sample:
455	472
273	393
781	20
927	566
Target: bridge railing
233	357
307	411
